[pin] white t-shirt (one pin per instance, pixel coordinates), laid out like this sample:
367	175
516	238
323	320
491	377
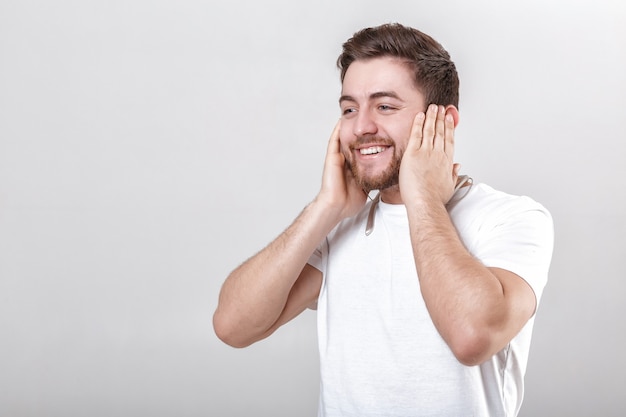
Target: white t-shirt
380	353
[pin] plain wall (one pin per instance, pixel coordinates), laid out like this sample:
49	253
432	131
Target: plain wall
149	147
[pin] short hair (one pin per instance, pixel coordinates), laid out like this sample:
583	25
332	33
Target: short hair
434	72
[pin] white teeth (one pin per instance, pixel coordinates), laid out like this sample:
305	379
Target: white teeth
372	150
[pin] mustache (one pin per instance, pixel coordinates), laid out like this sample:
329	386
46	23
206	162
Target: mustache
371	139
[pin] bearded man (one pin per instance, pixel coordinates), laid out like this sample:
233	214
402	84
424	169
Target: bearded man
425	295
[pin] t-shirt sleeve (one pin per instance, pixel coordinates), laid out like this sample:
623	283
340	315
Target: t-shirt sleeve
521	241
315	260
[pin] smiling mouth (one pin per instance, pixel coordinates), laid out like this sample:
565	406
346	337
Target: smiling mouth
372	150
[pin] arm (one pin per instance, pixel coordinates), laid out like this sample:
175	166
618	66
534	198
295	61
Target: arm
477	310
276	284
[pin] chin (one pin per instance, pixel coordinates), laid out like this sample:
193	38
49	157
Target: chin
379	182
382	180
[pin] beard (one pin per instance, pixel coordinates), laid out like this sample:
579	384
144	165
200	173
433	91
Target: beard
389	177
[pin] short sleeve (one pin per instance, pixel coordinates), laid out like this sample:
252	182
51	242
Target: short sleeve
316	258
521	241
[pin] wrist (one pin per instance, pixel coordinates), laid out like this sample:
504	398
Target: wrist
425	208
328	212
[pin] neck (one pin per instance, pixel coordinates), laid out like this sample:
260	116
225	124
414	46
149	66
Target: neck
391	195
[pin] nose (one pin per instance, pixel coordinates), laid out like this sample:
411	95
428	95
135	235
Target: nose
364	124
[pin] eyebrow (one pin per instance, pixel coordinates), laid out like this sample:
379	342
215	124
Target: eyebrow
372	96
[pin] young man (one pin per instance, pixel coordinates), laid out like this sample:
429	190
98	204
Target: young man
426	295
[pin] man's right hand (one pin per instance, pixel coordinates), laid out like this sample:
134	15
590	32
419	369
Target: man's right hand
339	191
277	284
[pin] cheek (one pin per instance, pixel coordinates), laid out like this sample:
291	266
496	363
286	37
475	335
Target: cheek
345	140
345	133
347	154
401	137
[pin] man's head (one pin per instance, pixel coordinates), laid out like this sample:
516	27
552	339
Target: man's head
389	74
434	72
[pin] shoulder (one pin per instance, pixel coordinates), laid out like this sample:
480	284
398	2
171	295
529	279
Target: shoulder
488	219
482	201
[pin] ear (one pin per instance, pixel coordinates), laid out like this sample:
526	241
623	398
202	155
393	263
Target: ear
454	112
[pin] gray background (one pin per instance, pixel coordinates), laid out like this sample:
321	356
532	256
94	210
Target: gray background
148	147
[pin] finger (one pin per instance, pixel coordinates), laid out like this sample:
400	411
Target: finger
440	127
449	135
456	168
334	145
415	139
428	135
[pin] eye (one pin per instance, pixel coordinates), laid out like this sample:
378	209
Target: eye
385	107
348	110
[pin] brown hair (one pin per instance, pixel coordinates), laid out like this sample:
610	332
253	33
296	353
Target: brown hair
435	73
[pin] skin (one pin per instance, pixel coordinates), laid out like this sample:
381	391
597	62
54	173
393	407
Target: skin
477	310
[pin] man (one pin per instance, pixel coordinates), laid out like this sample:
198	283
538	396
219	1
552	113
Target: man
426	295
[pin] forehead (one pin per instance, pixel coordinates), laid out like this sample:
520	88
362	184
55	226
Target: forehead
367	77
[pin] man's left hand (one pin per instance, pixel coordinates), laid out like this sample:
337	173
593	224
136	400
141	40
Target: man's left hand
428	174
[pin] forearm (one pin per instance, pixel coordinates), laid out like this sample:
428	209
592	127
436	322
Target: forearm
254	294
464	298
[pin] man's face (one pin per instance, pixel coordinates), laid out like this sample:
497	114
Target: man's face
378	102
